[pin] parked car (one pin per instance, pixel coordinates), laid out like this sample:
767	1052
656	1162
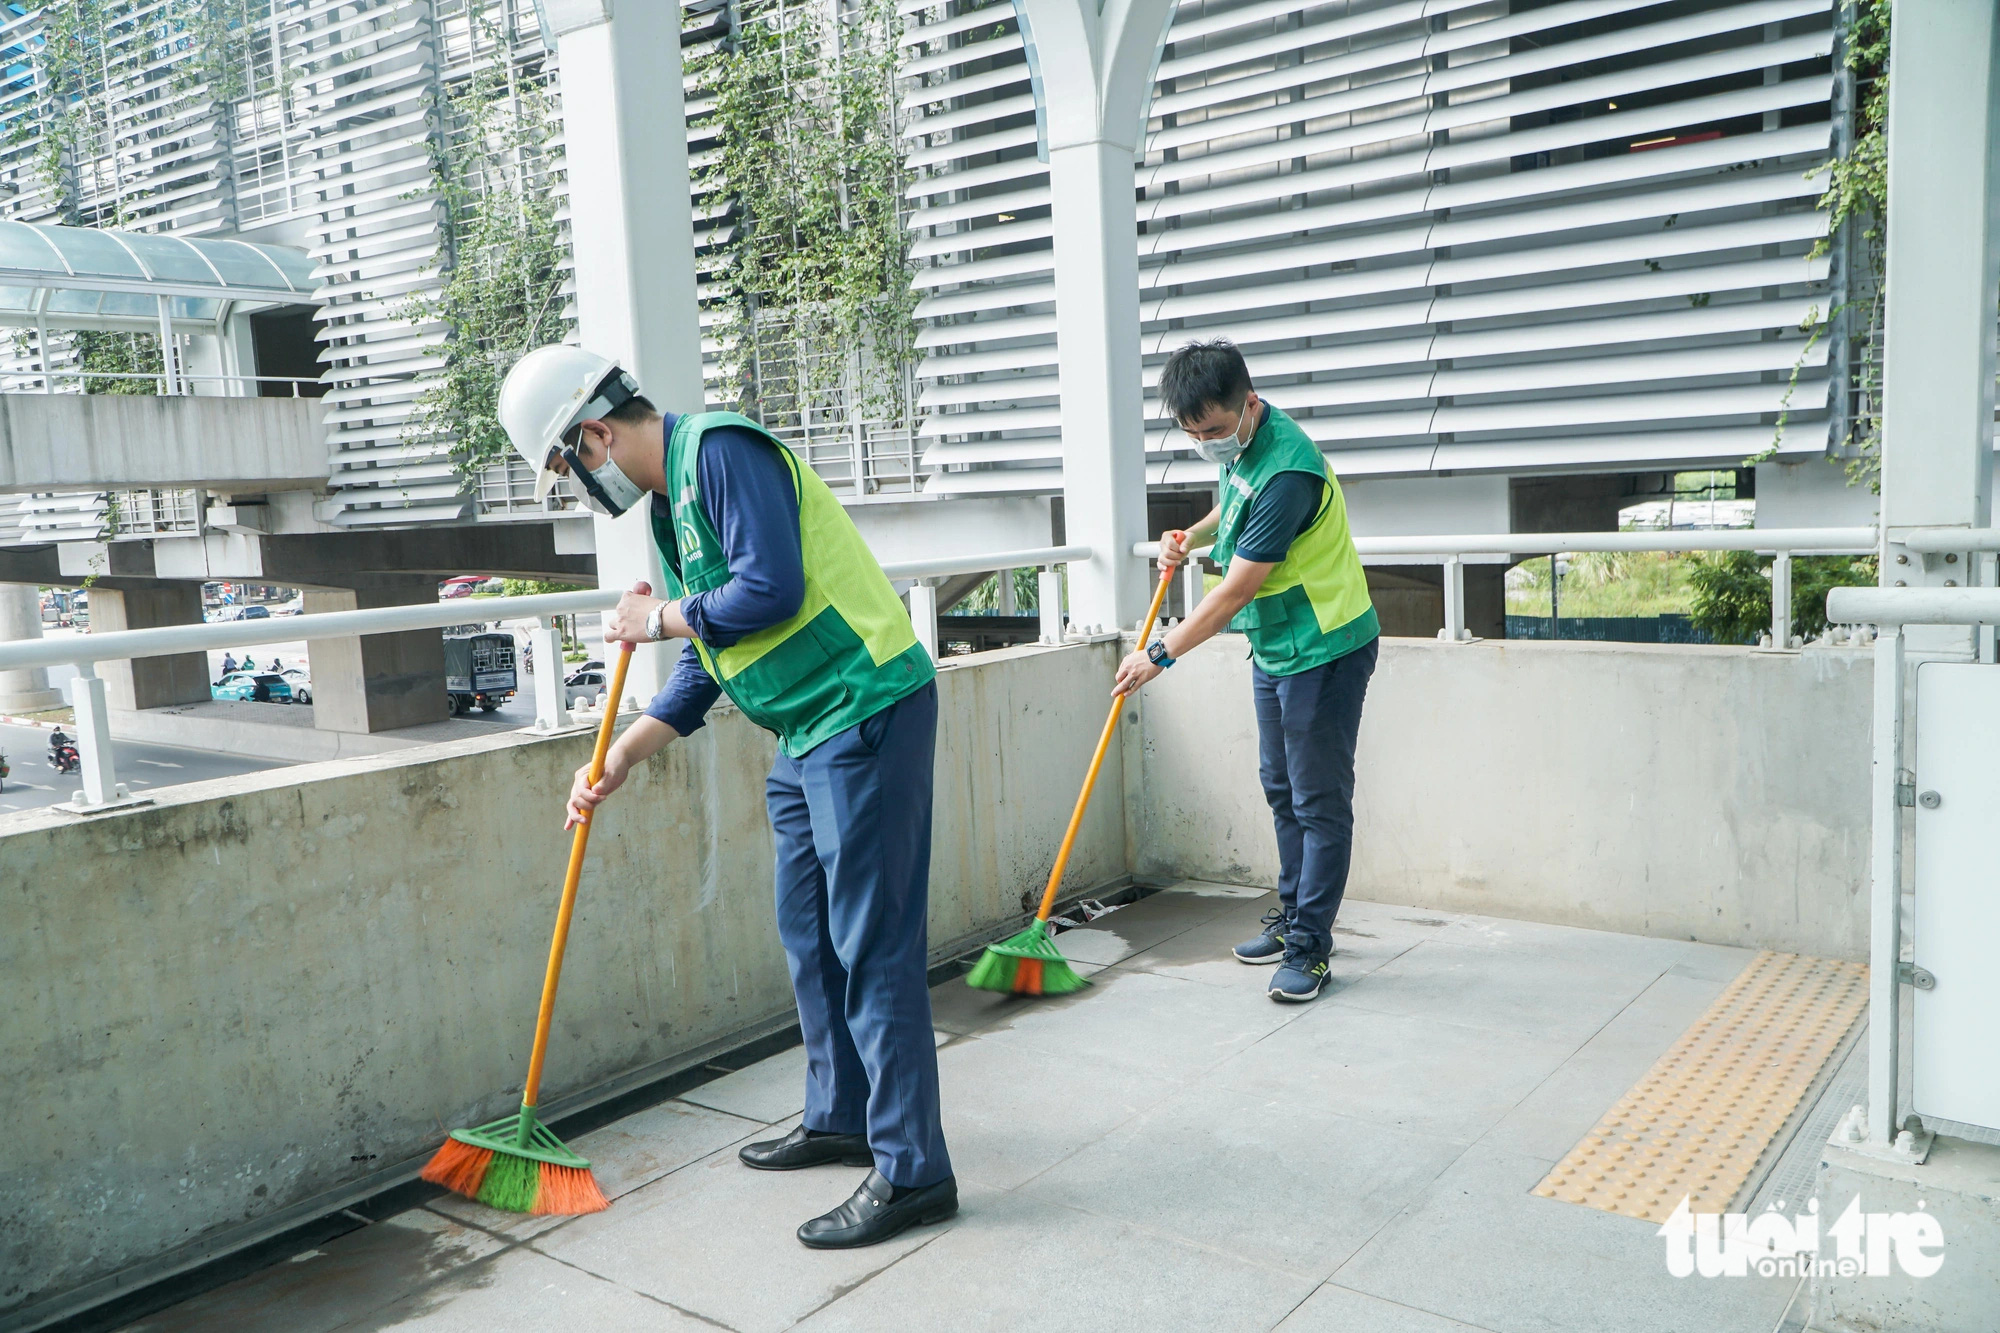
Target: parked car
301	683
585	684
254	613
262	687
462	586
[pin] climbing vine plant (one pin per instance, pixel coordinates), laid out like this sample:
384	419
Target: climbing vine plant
502	264
819	304
1857	196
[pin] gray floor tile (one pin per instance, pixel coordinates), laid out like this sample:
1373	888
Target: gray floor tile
1336	1309
765	1092
1501	988
1203	953
1416	1073
1553	1117
1010	1111
1158	1025
1142	924
1600	947
716	1239
525	1292
1017	1263
336	1283
1478	1247
1282	1182
641	1148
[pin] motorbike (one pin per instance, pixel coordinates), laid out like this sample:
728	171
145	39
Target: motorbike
63	756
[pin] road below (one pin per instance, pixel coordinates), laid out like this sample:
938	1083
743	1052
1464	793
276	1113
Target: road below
141	766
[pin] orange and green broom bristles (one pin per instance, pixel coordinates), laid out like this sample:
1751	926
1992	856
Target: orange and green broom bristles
1029	963
515	1163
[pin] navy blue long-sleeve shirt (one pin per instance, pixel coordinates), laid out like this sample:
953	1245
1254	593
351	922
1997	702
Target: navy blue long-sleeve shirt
747	491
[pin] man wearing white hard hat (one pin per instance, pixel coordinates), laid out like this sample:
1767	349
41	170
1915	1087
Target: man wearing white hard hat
786	610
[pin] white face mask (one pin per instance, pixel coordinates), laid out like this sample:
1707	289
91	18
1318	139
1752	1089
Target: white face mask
605	489
1222	452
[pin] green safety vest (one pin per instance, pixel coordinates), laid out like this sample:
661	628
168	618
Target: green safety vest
848	653
1313	606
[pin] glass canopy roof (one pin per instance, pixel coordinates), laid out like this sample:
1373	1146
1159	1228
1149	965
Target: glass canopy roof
84	277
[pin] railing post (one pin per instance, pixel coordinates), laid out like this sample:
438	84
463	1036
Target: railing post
1048	599
1781	600
1454	601
551	708
1003	592
1885	889
93	738
923	615
1196	585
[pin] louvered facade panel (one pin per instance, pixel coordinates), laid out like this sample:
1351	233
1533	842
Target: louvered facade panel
1453	234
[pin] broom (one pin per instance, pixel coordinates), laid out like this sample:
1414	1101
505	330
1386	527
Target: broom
515	1163
1029	963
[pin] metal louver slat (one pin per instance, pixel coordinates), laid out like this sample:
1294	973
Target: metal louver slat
1439	231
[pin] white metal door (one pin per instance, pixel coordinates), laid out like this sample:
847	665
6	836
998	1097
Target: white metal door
1956	1032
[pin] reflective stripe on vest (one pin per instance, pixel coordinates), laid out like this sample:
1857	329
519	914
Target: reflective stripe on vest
849	651
1313	606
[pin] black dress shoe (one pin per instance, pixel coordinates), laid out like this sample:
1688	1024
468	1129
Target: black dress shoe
874	1215
803	1148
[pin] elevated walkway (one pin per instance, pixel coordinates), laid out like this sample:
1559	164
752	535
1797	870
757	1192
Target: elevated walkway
89	442
1168	1149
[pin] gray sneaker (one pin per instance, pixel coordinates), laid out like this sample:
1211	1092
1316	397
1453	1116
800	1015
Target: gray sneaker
1304	972
1268	947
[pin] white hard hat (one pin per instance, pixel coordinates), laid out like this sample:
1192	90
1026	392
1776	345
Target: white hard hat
551	389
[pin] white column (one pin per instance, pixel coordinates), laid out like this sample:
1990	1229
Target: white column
625	146
1454	601
1781	600
93	737
551	709
923	615
1885	892
1049	603
1943	271
1097	341
26	690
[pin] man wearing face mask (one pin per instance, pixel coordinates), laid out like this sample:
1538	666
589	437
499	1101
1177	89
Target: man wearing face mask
786	610
1293	585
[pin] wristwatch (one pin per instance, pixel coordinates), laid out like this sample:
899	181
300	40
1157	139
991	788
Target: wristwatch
1156	653
656	623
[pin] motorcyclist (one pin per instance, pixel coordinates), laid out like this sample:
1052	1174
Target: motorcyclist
60	741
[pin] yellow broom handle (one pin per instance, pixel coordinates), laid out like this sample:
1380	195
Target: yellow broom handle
533	1086
1097	759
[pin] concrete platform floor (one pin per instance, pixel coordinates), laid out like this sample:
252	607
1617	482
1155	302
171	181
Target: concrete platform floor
1167	1150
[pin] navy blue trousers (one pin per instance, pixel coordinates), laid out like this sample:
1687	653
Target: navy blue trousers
853	824
1306	729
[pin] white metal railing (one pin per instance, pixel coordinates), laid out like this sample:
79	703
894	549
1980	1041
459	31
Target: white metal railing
1779	543
923	591
84	651
163	385
1892	788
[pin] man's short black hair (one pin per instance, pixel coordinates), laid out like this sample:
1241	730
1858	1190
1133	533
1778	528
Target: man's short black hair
634	411
1201	376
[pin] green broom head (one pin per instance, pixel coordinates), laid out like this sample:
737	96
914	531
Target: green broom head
515	1164
1026	964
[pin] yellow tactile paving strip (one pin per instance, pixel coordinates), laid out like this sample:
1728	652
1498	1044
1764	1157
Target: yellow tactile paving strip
1698	1121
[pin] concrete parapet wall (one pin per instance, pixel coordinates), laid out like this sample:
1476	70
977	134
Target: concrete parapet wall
1715	794
68	441
274	993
